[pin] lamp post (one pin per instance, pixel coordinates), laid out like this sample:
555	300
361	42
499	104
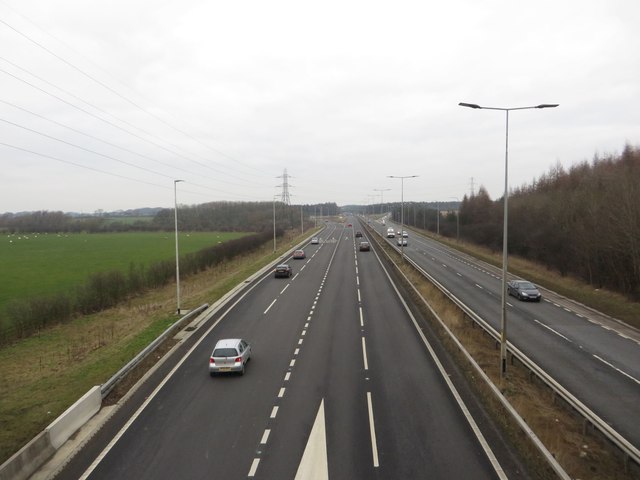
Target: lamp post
381	190
503	322
175	211
371	199
274	224
402	209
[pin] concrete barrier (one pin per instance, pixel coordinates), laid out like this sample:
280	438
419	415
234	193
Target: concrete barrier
74	417
28	459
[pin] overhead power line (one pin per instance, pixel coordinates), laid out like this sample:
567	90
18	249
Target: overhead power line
119	95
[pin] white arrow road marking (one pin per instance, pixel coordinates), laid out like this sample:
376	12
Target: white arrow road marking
314	464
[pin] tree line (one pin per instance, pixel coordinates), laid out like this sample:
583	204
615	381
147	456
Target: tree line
214	216
583	221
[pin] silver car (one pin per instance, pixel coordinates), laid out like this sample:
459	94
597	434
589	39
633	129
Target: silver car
229	355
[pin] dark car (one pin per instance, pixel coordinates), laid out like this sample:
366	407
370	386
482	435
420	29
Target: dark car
523	290
283	270
365	247
358	234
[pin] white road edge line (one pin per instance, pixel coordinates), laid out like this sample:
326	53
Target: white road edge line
372	427
616	368
549	328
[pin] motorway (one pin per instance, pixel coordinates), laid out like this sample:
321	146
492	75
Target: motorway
592	356
340	386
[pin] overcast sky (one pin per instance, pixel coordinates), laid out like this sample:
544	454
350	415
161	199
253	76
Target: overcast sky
104	104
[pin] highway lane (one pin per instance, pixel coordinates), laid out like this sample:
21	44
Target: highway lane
568	341
314	353
387	411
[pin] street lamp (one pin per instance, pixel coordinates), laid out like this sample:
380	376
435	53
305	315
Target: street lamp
402	209
175	211
503	325
274	223
381	190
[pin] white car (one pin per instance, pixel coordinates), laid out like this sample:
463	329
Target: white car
402	242
315	241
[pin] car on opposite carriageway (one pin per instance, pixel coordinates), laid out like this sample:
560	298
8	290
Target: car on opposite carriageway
523	290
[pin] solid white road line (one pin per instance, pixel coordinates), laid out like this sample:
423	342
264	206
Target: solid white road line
372	427
314	464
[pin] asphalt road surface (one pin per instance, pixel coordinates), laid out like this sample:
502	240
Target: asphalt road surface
340	386
591	355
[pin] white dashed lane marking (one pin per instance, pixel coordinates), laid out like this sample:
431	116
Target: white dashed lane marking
274	301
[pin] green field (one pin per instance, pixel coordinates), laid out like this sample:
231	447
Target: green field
36	264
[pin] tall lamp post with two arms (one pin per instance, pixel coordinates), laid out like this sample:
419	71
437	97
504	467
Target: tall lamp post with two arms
503	322
175	201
